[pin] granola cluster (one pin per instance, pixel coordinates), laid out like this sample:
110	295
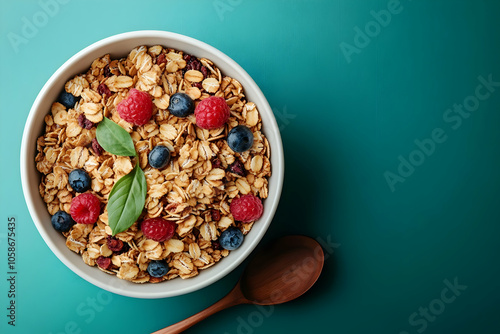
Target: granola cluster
195	189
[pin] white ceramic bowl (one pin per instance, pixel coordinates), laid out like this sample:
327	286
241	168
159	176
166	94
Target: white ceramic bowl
119	46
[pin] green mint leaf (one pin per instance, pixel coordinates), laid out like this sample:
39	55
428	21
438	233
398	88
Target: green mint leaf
126	200
114	139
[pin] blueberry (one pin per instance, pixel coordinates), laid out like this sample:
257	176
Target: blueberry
231	238
157	268
159	157
79	180
67	99
240	138
61	221
181	105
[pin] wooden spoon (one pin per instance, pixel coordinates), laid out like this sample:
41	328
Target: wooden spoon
279	273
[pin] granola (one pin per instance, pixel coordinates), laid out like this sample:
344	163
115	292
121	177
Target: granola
198	181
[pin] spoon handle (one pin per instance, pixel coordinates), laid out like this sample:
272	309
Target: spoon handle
234	297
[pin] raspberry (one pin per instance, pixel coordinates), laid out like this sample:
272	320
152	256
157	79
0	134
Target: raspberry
212	113
158	229
85	208
247	208
137	108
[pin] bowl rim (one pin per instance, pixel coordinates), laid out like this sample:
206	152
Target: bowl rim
26	158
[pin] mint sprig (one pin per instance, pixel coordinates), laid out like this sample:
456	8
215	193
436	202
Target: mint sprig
126	200
128	195
114	139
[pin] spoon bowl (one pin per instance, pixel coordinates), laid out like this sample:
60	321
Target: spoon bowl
279	273
283	271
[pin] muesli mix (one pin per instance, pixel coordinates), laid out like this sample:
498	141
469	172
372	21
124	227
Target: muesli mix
153	166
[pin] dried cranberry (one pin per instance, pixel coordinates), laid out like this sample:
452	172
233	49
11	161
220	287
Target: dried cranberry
103	90
197	85
161	59
107	71
237	168
216	245
215	215
125	249
216	163
114	244
192	63
103	262
84	122
81	120
98	150
186	57
196	64
196	232
204	70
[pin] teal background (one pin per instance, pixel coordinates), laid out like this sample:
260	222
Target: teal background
343	126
